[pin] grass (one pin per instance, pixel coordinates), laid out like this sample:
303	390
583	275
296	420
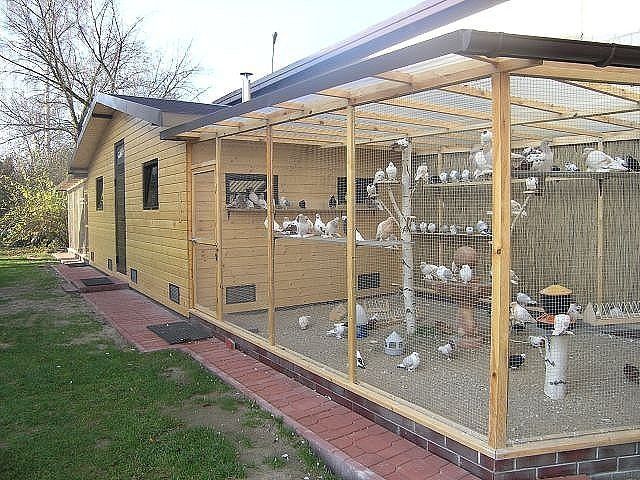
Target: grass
75	405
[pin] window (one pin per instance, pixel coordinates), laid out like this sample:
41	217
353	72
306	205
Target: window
99	193
150	185
134	275
361	190
243	183
174	293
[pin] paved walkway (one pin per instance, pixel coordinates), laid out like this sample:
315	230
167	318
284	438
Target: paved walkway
351	445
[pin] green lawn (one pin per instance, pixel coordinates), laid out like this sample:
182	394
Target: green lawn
75	403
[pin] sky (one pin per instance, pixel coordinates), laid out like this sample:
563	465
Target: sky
229	37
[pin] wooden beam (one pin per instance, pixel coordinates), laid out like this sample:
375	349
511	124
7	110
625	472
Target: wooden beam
190	207
220	204
432	107
608	89
351	242
271	279
399	77
500	262
581	72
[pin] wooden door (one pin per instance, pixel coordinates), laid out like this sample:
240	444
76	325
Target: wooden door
205	256
120	213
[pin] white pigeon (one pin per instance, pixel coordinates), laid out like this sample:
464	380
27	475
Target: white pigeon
385	229
392	171
332	227
359	360
372	191
574	311
524	299
464	175
469	230
561	324
466	273
337	330
359	237
443	177
513	278
618	163
410	362
276	225
447	349
571	167
517	209
531	183
284	203
257	200
379	176
520	315
303	321
547	163
413	227
428	270
444	228
304	225
286	222
454	176
454	268
319	226
596	160
483	157
431	228
453	230
422	173
482	226
403	143
536	342
249	204
423	227
444	273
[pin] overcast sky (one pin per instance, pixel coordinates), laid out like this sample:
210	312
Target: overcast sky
233	36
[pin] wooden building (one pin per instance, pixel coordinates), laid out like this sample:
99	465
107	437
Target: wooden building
160	185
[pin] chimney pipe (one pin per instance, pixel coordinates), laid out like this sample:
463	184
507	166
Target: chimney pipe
246	86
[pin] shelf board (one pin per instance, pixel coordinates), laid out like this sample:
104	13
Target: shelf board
341	241
444	235
301	210
388	182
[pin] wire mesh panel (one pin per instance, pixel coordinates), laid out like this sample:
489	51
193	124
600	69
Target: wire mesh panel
574	317
428	336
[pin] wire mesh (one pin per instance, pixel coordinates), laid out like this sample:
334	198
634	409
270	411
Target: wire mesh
574	251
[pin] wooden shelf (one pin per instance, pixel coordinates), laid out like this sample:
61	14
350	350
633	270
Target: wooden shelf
298	210
341	241
448	235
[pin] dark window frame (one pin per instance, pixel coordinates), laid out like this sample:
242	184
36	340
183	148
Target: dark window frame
149	197
361	190
249	177
100	193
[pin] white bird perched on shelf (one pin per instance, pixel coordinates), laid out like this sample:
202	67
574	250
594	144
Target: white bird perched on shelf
413	226
431	228
385	229
410	362
303	321
464	175
304	225
332	227
319	226
519	314
547	163
284	203
453	229
466	273
428	270
372	191
359	237
513	278
536	341
574	311
518	209
482	227
261	202
402	143
422	173
337	330
447	349
454	176
379	176
482	157
619	163
249	204
443	177
392	171
423	227
523	299
359	360
444	274
571	167
276	225
469	230
561	324
598	161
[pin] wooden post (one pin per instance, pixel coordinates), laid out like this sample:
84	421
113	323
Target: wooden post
190	207
440	200
351	242
600	244
500	261
220	205
271	294
408	292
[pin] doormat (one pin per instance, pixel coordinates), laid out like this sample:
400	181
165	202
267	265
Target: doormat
93	282
180	332
76	264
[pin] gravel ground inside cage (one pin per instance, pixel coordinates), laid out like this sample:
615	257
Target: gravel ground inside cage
598	398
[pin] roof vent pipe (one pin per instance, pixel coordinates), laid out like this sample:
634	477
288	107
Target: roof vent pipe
246	86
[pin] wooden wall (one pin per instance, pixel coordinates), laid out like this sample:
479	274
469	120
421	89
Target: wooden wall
156	239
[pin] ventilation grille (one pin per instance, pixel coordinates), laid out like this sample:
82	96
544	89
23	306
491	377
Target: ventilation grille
369	280
134	275
174	293
109	264
93	256
241	294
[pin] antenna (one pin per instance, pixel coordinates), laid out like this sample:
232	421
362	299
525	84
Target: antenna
273	48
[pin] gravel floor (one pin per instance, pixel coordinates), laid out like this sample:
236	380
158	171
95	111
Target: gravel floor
457	389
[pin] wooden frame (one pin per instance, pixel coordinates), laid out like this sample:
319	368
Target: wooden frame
220	204
351	241
271	292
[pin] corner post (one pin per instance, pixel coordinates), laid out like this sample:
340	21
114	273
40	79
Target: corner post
271	294
220	204
351	242
500	261
190	207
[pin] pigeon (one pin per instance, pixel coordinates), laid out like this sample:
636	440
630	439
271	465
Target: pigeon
574	312
453	230
359	360
443	177
516	361
632	163
482	157
304	225
253	197
413	227
513	278
571	167
466	273
482	226
454	176
431	228
444	273
402	143
428	270
631	373
380	176
284	203
391	170
561	324
372	191
319	226
434	179
385	229
547	163
332	227
531	183
519	314
333	203
464	175
423	227
422	173
249	204
618	163
303	321
234	202
537	342
290	227
302	204
444	228
410	362
276	225
447	349
359	237
454	268
469	230
616	312
517	209
337	330
597	160
524	299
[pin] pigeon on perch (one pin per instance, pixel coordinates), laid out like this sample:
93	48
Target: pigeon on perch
379	177
385	229
303	321
304	225
392	171
574	311
333	203
413	226
423	227
469	230
431	228
517	209
447	349
402	143
257	200
513	278
482	226
516	361
631	373
410	362
359	360
428	270
561	324
332	227
483	157
454	176
359	237
284	203
597	160
453	229
537	342
466	273
337	330
444	228
443	177
519	314
444	274
372	191
524	299
319	226
464	175
249	204
571	167
422	173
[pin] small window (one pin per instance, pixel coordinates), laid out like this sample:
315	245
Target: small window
99	193
134	275
361	190
109	264
368	280
174	293
150	185
243	183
